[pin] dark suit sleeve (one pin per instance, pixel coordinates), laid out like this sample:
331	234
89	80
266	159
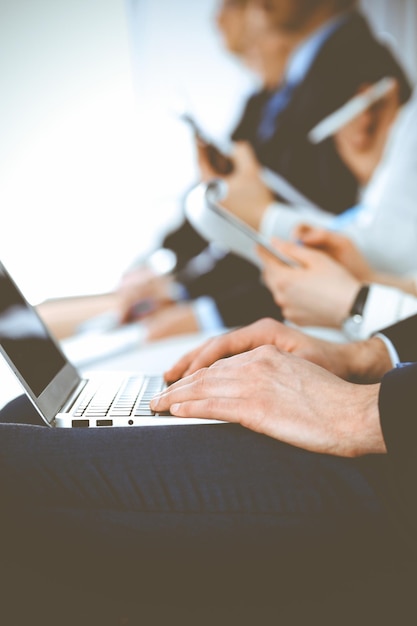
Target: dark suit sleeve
236	288
398	415
398	411
403	336
246	304
185	242
398	396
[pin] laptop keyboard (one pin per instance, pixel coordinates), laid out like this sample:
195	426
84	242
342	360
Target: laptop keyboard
131	399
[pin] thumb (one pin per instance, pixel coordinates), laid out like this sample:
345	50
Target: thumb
312	236
245	155
300	253
289	249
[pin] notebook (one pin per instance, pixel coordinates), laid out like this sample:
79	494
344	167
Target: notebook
62	396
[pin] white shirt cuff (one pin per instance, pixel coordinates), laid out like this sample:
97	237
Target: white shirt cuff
385	306
279	220
393	354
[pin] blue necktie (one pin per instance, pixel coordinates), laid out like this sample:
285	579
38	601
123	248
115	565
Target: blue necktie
276	103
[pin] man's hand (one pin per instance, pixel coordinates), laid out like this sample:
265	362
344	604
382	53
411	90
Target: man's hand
367	360
174	319
282	396
141	291
339	247
247	195
319	292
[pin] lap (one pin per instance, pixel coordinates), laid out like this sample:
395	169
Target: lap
205	469
214	494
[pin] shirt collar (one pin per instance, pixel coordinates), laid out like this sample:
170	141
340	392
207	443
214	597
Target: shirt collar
303	56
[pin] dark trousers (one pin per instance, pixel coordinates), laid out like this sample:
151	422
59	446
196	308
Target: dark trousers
210	511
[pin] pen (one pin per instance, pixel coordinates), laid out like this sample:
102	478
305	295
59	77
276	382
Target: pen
351	109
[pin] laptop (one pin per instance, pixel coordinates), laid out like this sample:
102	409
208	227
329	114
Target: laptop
64	398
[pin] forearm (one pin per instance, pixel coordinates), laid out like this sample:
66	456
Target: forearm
364	431
63	316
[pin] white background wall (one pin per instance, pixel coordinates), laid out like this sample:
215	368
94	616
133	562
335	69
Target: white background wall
92	156
89	169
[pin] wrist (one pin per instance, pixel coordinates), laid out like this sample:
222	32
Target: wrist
366	434
367	361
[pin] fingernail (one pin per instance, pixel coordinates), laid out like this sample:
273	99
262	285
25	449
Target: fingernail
154	402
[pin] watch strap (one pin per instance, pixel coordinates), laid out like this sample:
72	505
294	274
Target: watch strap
359	302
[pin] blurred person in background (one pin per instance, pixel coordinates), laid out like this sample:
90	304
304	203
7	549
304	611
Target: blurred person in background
379	147
381	269
326	52
315	34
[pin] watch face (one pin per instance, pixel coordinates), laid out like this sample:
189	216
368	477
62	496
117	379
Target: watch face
162	261
352	326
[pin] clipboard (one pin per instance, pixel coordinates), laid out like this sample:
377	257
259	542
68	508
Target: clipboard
223	229
213	193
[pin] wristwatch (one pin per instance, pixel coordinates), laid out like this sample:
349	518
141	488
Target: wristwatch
352	324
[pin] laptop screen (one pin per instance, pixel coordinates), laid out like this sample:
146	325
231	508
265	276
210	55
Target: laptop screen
25	340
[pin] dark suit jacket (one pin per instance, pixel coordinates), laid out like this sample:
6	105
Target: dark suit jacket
349	58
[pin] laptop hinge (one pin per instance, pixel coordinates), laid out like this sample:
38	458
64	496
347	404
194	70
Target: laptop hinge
67	406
